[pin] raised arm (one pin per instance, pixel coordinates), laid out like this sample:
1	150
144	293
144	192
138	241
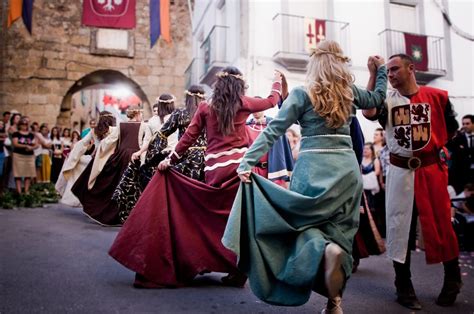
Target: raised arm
371	113
364	99
261	104
290	111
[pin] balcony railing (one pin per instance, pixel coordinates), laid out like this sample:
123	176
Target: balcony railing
193	72
290	38
213	54
393	42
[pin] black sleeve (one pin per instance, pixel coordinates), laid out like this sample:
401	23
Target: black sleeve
381	116
450	118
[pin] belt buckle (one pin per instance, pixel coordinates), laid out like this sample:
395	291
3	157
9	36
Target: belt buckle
264	165
414	163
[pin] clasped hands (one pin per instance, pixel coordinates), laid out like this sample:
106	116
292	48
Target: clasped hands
375	62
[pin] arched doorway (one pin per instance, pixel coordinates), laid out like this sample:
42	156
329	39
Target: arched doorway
100	90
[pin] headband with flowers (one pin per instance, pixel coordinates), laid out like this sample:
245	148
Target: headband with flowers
167	101
197	94
318	52
225	74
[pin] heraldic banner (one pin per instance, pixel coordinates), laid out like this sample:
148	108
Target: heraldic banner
416	46
109	13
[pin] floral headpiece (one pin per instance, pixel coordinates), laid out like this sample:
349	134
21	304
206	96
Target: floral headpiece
225	74
318	52
197	94
167	101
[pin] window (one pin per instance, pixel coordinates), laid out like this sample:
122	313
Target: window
403	18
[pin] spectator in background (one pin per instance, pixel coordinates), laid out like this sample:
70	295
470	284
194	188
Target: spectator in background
92	125
3	136
461	146
370	167
75	137
464	217
378	141
66	142
6	119
14	120
34	127
9	180
57	154
44	173
24	144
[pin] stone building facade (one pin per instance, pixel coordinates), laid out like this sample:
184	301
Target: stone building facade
39	73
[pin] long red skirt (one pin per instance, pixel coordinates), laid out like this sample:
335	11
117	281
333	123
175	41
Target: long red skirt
175	230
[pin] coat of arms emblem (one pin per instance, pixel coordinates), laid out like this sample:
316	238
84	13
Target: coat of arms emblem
109	7
412	125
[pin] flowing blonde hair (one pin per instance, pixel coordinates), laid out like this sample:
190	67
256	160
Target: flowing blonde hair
329	83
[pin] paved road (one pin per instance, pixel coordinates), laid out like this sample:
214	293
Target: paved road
54	260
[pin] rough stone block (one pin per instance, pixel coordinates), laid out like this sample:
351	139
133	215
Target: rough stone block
56	64
80	40
142	70
50	73
75	75
37	99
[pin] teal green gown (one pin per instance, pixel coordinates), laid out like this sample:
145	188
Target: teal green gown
280	235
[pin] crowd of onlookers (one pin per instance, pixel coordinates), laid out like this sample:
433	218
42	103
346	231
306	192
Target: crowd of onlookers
31	152
459	159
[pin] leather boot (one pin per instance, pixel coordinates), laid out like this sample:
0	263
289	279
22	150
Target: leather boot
333	274
406	295
452	283
449	292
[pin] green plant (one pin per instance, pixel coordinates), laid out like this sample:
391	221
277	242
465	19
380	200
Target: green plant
7	200
39	194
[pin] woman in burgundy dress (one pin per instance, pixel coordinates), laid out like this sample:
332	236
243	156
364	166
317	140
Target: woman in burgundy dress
171	236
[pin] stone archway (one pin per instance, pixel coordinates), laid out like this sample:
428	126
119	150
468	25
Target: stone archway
100	79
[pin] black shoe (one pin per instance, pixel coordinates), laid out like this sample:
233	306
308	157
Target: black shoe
406	296
449	292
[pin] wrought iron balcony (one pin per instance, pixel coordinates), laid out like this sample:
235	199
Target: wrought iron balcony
291	35
213	54
393	42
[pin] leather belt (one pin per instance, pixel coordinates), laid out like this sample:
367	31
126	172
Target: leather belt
262	165
413	162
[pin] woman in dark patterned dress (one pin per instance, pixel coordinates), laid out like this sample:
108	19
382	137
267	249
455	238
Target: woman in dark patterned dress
128	190
191	163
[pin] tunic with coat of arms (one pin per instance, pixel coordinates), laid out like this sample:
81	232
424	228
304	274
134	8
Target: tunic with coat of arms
416	127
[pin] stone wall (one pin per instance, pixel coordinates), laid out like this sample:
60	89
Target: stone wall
37	70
